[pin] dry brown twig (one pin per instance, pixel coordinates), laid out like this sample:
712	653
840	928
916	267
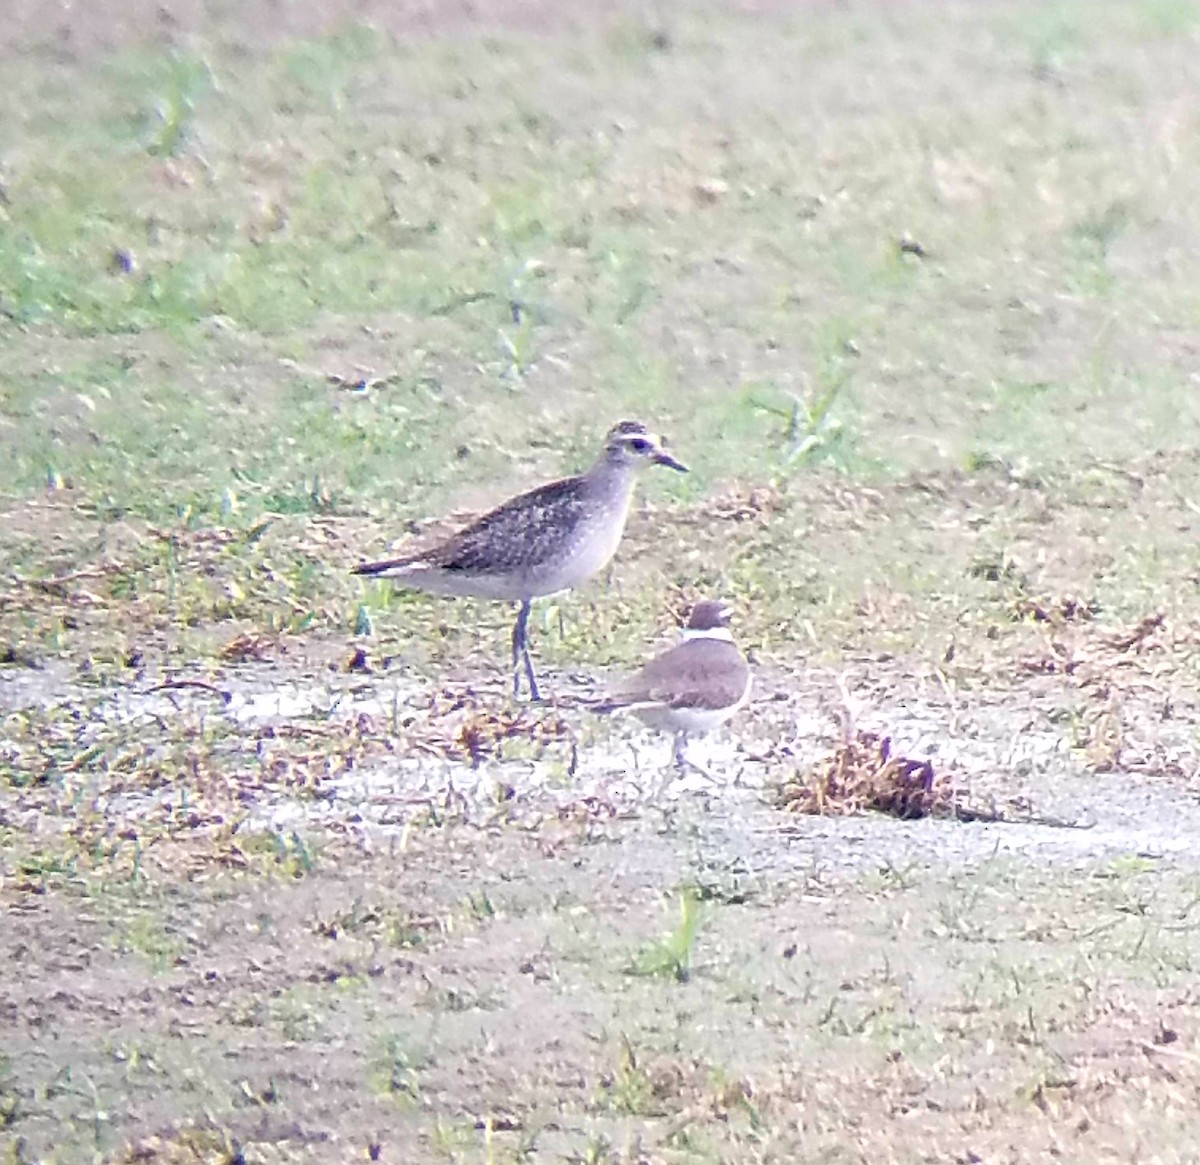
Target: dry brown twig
196	685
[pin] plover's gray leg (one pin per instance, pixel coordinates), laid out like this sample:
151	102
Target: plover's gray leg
520	652
683	765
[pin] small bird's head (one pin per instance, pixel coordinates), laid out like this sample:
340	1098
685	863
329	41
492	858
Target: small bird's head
709	615
631	443
709	619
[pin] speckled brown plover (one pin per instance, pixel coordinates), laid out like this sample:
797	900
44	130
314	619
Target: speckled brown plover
692	688
547	540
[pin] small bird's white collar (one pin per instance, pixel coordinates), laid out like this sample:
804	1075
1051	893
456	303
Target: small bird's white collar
721	633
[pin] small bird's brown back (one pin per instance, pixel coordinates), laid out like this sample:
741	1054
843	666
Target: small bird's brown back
700	673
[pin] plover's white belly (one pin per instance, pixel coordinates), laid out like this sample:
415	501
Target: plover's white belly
557	560
473	585
586	553
693	721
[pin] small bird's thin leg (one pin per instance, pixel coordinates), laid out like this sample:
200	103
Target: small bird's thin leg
675	771
520	628
534	694
683	765
520	653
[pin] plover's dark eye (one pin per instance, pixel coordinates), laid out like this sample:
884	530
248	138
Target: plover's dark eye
640	445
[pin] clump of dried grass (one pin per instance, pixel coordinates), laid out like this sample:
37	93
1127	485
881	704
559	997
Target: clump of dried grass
472	725
862	774
484	733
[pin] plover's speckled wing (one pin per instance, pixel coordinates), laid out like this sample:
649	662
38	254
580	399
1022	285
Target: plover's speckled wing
521	533
703	674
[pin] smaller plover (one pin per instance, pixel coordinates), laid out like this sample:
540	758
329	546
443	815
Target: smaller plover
692	688
547	540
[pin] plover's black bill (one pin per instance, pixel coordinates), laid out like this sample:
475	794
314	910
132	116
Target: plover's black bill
662	457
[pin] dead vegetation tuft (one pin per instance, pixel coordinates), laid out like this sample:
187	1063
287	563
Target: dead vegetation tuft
1054	609
484	733
251	647
741	503
458	726
1139	649
863	773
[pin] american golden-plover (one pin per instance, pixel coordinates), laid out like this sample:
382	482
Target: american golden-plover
693	687
547	540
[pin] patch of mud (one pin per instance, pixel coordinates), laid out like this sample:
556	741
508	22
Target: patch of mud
558	763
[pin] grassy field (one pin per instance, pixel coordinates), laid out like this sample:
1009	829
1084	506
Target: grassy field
910	286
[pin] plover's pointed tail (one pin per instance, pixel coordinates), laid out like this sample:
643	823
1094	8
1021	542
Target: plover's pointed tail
388	567
607	705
